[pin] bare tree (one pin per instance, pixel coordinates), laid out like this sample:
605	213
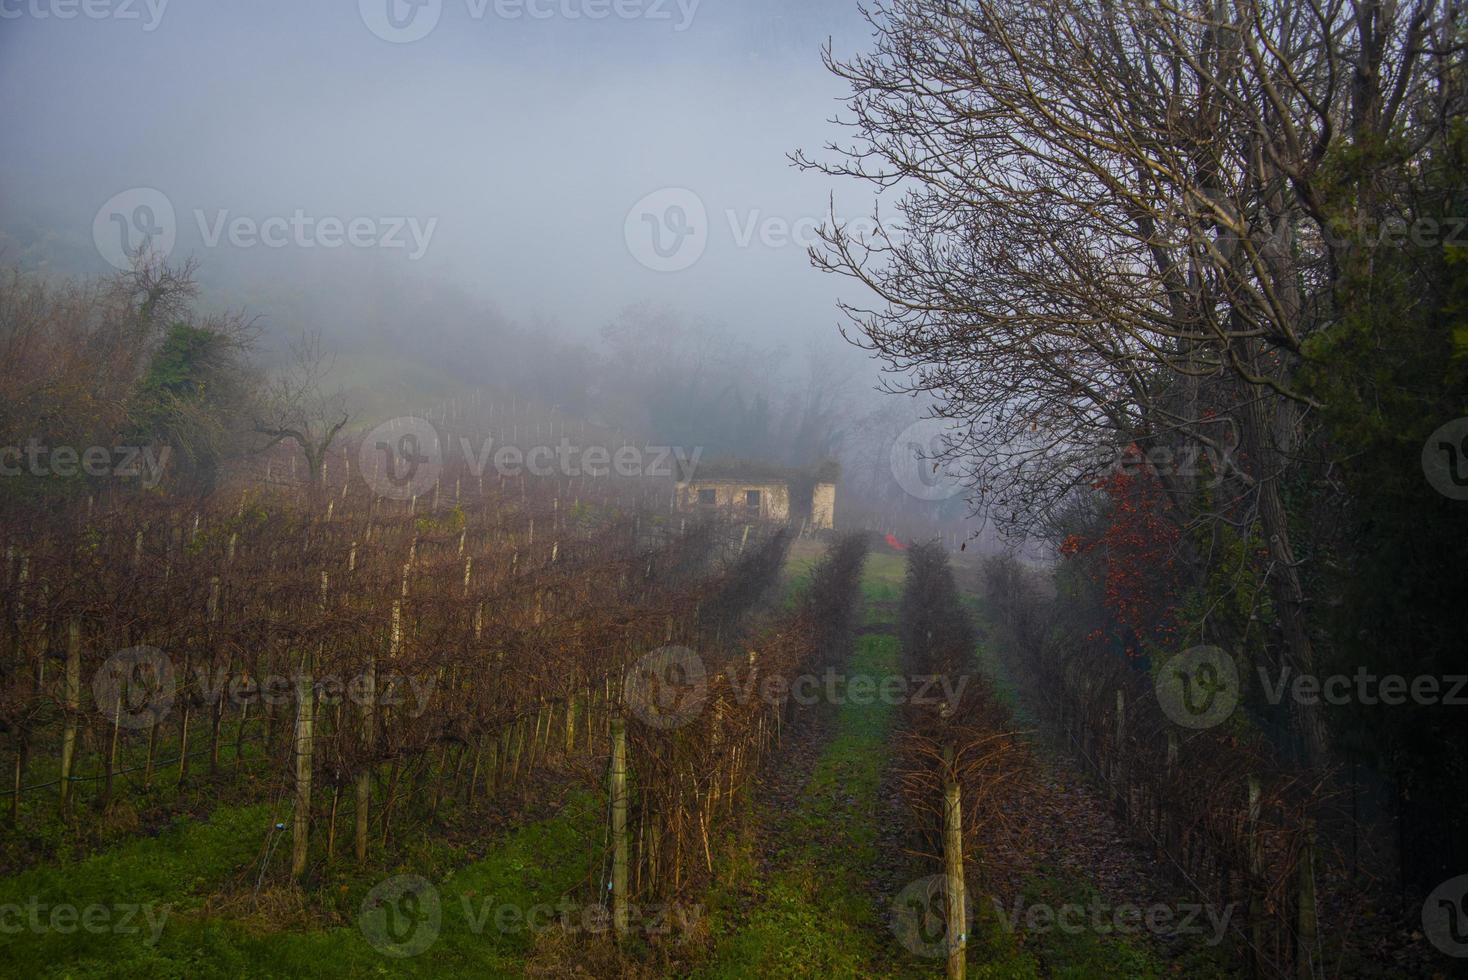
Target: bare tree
296	406
1116	226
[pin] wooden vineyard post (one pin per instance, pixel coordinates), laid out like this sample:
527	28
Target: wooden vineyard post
18	777
112	745
73	704
336	793
523	742
590	728
474	772
506	740
20	653
1306	915
216	712
619	824
153	721
1118	761
570	725
491	768
305	751
22	754
369	740
541	721
953	897
305	712
211	614
1256	874
1169	838
514	745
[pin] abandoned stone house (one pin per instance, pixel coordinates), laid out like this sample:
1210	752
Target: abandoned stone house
763	491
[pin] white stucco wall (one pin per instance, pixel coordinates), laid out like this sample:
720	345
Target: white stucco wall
823	506
730	495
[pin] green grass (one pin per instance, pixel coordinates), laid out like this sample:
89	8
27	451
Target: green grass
800	560
1006	942
882	576
534	865
167	874
813	915
1071	953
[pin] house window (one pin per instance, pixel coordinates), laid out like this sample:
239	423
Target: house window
706	498
751	499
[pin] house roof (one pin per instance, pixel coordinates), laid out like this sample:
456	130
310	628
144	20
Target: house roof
760	471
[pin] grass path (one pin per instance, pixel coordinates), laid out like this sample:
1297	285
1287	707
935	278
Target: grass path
1083	858
803	905
813	879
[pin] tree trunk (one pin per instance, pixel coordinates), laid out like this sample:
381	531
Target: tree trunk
1285	586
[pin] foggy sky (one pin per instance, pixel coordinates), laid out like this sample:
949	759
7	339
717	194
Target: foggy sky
525	139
